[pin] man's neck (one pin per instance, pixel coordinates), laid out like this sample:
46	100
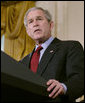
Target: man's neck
40	42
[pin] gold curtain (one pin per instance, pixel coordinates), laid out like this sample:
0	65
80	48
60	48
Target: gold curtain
3	20
17	43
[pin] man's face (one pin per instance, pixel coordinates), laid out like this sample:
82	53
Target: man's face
38	27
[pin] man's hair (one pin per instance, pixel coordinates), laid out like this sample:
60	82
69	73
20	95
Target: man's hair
47	14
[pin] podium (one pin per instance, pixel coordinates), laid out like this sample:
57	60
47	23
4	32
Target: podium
19	84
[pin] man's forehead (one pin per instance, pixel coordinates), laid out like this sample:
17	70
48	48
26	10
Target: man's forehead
36	12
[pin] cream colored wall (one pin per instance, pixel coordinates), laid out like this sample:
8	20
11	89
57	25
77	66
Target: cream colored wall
68	17
76	21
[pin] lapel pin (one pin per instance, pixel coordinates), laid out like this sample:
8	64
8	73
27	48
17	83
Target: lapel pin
51	51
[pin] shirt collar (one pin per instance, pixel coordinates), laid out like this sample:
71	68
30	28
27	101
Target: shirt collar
46	43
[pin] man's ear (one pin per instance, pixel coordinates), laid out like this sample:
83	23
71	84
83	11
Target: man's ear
27	30
51	25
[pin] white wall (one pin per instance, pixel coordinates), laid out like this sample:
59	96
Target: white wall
76	20
68	17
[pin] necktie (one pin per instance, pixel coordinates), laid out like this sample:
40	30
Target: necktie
35	59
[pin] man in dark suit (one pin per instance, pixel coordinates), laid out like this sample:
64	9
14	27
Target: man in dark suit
61	63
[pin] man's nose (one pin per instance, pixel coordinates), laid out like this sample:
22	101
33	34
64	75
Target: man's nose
35	23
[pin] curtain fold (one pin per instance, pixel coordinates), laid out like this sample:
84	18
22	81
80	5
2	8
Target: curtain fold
3	20
17	43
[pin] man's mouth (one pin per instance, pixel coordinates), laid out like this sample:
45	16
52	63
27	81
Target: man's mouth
37	30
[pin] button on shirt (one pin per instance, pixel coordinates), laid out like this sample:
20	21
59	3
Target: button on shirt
45	45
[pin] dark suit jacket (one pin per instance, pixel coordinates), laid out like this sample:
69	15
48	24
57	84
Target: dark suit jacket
63	61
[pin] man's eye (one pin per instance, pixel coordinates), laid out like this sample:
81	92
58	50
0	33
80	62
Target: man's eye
39	18
30	21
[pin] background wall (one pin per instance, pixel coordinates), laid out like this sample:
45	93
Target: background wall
68	17
76	21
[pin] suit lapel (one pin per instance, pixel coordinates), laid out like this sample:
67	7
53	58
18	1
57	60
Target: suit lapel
47	56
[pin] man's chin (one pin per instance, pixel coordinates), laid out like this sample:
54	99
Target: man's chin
38	37
39	40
